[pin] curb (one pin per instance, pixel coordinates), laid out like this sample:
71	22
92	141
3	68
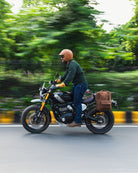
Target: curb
121	117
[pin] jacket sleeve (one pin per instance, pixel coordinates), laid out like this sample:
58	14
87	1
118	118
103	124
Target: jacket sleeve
63	77
70	74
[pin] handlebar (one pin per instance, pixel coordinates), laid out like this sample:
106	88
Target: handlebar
52	82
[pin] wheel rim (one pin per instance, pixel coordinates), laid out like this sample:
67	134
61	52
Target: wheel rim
103	120
35	122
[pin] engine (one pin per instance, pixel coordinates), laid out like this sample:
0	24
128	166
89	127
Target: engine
65	113
63	107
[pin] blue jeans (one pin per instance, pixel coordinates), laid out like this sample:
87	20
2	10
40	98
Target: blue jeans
78	92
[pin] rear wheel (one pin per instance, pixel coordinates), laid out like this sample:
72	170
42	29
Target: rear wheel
105	121
35	121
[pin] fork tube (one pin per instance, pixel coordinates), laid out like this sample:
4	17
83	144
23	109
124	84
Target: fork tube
43	103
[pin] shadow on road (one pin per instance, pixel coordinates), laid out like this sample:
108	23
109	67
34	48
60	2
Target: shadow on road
68	134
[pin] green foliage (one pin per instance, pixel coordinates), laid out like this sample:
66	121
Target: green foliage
130	37
41	31
124	87
4	9
22	89
31	41
34	37
123	43
5	42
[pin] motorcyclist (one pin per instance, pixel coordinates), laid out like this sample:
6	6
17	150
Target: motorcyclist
74	74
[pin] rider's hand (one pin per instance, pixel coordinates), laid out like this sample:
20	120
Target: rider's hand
61	85
57	80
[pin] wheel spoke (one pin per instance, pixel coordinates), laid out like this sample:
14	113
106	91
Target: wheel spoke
105	121
34	121
102	120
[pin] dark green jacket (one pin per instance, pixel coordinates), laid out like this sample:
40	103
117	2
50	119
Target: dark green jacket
73	73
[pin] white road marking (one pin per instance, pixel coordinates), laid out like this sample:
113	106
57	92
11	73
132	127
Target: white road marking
52	125
125	125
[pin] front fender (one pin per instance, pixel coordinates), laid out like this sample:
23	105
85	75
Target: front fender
36	100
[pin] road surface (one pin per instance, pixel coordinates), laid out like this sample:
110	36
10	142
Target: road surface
68	150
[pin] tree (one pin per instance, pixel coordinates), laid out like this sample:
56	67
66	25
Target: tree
124	43
44	28
131	30
5	42
28	30
41	31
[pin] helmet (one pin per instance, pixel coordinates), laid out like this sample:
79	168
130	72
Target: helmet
68	54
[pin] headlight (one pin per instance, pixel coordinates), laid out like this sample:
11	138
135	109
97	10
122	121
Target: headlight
43	93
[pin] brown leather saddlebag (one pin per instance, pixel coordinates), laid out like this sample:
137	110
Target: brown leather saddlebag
103	100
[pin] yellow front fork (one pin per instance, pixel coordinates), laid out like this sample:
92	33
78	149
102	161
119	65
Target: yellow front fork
43	103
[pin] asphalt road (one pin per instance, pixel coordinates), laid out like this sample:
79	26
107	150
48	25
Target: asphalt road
68	150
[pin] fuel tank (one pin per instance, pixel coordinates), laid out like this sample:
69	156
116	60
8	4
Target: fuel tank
63	97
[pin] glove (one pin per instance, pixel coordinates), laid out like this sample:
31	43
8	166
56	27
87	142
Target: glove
61	85
57	80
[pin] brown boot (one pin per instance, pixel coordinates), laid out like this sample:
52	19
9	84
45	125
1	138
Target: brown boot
73	124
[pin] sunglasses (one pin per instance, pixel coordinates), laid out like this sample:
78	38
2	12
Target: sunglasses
61	56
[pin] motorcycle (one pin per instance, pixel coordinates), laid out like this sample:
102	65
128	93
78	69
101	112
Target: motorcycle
36	118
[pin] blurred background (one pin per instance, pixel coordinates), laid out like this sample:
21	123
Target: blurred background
33	34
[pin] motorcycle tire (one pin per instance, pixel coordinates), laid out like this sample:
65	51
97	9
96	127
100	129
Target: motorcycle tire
28	123
100	128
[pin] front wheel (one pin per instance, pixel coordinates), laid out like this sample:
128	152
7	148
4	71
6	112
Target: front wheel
35	121
105	121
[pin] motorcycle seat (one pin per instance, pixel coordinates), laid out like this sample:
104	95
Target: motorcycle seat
88	99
